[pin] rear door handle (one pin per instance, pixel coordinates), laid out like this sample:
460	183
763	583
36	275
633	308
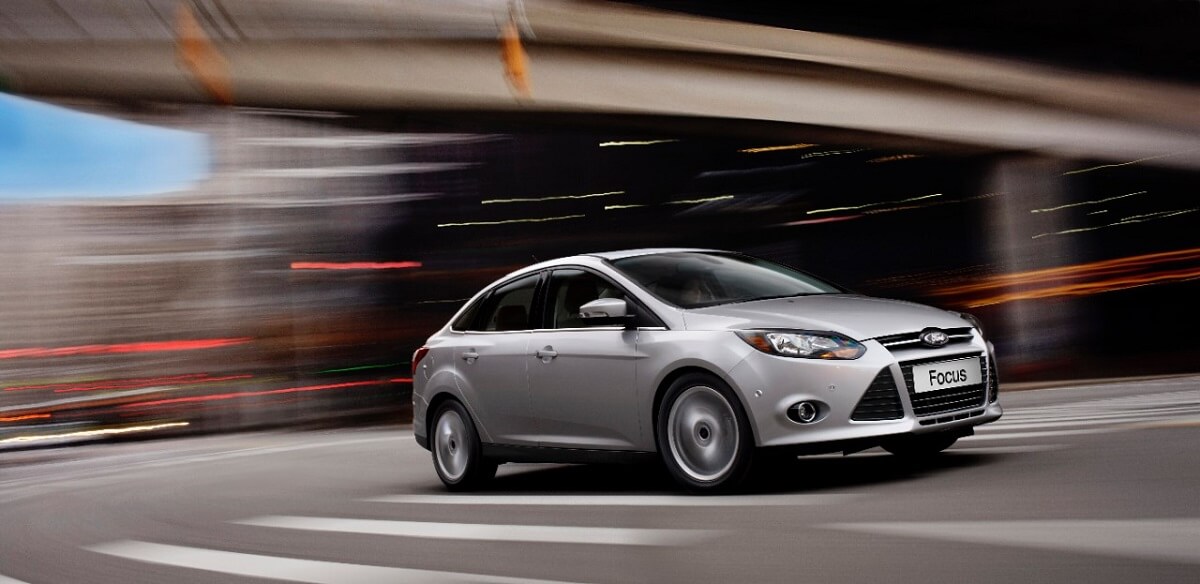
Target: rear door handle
546	353
470	356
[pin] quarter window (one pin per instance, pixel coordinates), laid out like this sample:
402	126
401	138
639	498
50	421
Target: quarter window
509	306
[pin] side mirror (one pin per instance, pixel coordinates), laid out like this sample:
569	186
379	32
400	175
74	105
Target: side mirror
607	312
604	308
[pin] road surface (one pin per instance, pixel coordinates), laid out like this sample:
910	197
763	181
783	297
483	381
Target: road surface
1098	484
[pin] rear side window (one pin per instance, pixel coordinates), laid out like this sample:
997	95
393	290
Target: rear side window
508	308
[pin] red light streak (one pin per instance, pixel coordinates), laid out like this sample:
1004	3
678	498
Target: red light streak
123	348
180	380
221	396
401	380
355	265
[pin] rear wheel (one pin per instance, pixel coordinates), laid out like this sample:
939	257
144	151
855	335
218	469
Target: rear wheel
703	434
457	451
921	445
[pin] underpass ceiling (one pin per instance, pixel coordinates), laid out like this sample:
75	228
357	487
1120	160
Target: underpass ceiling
590	58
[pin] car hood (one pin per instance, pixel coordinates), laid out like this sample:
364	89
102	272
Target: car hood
860	317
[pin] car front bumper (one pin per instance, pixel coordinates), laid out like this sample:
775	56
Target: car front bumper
770	385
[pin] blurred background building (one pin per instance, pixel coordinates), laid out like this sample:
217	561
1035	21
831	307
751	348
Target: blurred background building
247	214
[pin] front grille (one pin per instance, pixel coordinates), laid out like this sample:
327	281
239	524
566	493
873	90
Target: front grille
881	400
947	400
913	340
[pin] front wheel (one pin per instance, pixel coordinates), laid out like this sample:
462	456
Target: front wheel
703	434
457	451
920	446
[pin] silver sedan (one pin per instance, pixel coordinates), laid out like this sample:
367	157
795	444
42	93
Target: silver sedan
708	360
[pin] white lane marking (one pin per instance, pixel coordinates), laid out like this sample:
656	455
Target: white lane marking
1023	435
1077	423
615	500
1067	416
290	569
491	532
1005	449
1157	539
6	580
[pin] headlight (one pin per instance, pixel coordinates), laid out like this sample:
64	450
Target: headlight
974	322
808	345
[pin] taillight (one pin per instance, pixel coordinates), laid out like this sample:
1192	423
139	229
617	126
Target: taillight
417	356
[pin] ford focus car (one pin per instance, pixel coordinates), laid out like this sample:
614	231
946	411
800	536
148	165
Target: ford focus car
708	360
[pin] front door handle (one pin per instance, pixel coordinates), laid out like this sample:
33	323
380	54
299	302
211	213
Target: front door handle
546	353
470	356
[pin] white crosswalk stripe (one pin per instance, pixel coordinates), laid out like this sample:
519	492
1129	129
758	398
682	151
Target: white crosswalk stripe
491	532
1092	416
290	569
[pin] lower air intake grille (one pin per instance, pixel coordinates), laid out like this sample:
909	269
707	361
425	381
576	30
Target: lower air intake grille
947	400
881	401
993	383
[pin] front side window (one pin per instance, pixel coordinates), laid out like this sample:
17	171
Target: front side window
508	308
571	289
699	279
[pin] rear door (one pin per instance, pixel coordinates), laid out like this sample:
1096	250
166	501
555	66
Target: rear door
492	364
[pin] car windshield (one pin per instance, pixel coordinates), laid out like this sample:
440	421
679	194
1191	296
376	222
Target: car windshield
700	279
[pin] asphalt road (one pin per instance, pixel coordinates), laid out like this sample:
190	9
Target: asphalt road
1093	485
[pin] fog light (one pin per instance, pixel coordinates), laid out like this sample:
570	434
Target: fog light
804	412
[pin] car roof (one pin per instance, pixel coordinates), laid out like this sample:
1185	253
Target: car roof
628	253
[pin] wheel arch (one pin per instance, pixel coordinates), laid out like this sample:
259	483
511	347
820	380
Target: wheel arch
670	377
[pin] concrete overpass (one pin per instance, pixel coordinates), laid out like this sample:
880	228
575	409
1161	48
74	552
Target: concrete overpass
593	58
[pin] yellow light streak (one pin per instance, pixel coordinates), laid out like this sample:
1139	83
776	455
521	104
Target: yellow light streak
634	143
551	198
698	201
1126	221
508	221
776	148
1083	203
830	153
869	205
91	433
1119	164
611	207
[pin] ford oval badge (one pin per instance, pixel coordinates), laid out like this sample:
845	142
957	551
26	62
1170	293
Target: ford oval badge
934	337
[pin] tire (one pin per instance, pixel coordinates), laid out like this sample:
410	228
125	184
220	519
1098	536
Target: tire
456	449
920	446
703	434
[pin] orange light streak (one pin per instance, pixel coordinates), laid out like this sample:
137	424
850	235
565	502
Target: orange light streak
355	265
1081	279
123	348
25	417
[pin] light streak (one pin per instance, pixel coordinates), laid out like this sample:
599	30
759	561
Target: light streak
508	221
355	265
90	433
822	220
224	396
613	207
552	198
402	380
1098	212
1126	221
869	205
361	368
154	383
25	417
830	153
1082	203
1081	279
776	148
894	158
698	201
142	347
1119	164
634	143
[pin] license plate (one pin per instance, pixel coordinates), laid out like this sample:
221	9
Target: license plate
947	375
